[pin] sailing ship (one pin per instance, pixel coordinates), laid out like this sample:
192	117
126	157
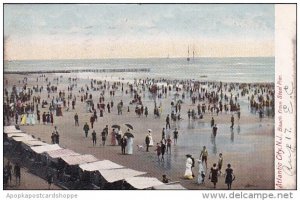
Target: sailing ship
188	58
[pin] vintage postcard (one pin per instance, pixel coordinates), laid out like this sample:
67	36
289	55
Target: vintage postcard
149	96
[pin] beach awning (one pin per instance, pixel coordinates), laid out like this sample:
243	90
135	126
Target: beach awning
24	138
143	182
46	148
103	164
32	143
61	152
113	175
11	129
80	159
10	135
176	186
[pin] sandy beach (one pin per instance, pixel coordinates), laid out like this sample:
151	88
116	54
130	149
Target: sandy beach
248	147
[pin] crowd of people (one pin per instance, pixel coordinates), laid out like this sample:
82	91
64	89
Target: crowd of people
208	99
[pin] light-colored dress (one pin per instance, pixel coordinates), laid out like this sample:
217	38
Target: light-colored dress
188	169
151	141
201	172
23	119
31	119
129	146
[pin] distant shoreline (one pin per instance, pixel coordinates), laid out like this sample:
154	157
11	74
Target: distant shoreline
80	71
160	79
183	58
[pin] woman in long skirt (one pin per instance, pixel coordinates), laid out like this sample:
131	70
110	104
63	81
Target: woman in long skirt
188	174
229	177
129	146
113	137
27	119
201	173
214	174
23	119
151	140
32	119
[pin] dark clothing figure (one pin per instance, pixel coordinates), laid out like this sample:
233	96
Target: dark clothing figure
103	135
44	117
123	143
214	175
53	138
17	171
146	111
165	179
8	169
229	178
163	134
168	122
163	150
147	141
212	122
175	136
49	180
215	128
169	143
92	120
76	118
232	121
86	129
94	138
38	116
56	138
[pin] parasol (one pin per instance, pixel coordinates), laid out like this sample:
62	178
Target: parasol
129	126
115	126
128	135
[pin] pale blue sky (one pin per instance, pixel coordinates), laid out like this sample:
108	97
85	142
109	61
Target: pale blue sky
121	23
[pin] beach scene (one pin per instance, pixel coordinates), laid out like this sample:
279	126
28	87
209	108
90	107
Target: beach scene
138	96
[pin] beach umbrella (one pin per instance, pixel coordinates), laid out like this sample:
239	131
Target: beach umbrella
128	135
116	126
129	126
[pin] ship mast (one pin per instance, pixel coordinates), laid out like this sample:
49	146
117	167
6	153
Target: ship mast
188	58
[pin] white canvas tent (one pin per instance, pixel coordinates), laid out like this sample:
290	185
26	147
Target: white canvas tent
113	175
10	135
11	129
46	148
24	138
31	143
60	153
79	159
103	164
143	182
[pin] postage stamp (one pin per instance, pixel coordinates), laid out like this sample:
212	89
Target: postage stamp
149	96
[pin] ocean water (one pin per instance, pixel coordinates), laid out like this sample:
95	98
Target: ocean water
248	70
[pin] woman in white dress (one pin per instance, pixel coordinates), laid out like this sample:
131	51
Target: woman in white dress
31	119
129	146
151	140
201	173
188	168
27	119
